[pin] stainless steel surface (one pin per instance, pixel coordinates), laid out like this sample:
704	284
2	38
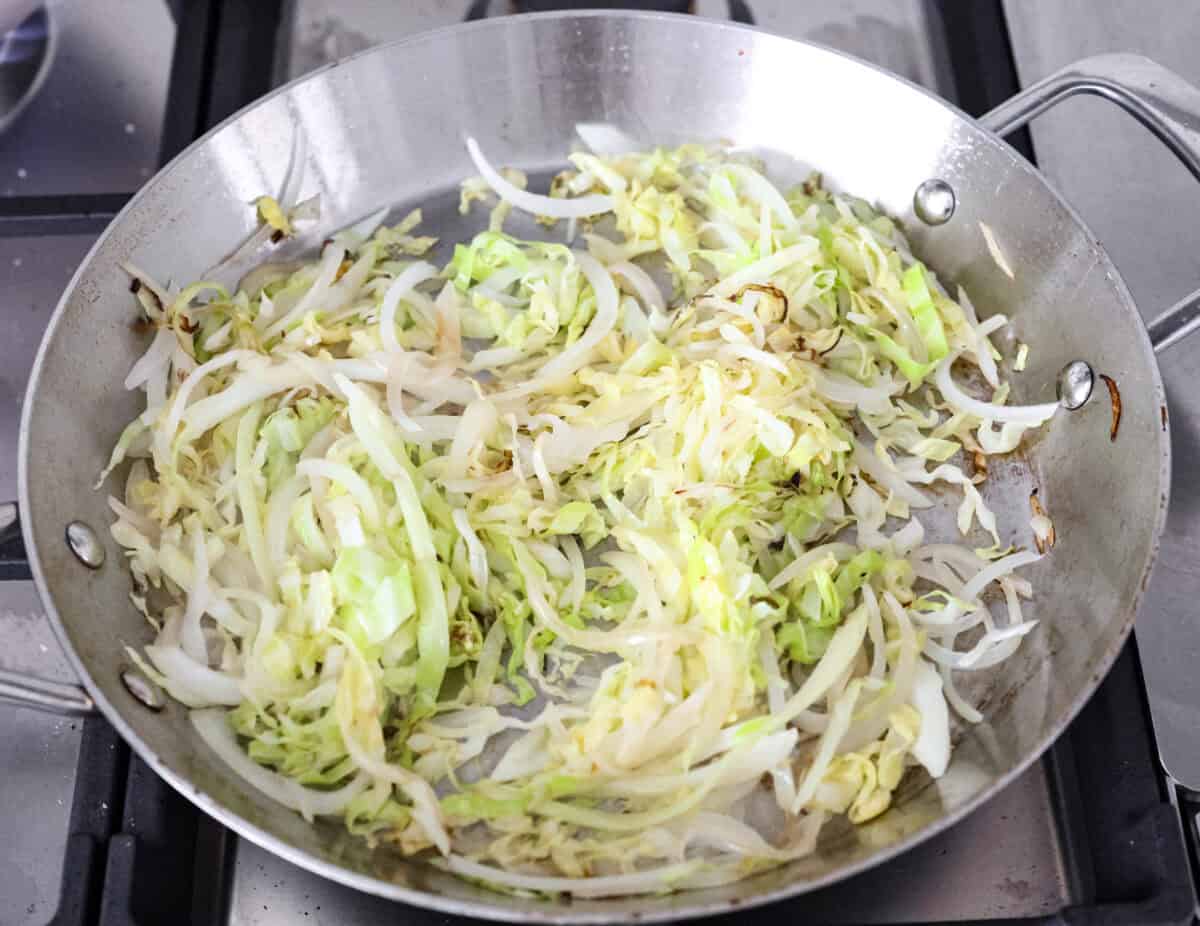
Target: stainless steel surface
550	73
99	116
891	33
1001	861
1141	203
84	543
1075	384
934	202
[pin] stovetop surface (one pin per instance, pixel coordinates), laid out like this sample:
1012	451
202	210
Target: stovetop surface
1088	825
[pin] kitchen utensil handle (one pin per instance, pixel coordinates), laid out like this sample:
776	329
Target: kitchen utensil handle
43	695
1160	100
18	687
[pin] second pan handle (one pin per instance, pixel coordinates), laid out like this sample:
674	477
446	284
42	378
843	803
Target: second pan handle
1159	99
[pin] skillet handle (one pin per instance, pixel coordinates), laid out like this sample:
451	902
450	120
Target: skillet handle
1160	100
17	687
42	695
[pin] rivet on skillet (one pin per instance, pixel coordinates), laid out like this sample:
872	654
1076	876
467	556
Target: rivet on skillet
934	202
143	690
1075	384
85	545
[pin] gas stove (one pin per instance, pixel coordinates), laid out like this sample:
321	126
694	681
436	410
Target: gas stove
1103	829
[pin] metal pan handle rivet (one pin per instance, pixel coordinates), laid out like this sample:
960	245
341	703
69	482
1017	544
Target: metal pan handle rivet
934	202
85	545
1075	384
144	691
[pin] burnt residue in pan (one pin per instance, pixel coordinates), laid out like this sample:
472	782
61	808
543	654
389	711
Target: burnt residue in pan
767	290
836	341
1044	536
1114	395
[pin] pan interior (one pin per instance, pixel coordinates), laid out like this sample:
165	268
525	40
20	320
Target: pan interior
387	128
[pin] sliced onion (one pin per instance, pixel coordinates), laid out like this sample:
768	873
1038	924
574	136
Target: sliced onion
449	327
981	655
875	717
142	524
1001	567
843	390
476	555
498	281
975	585
213	726
425	808
1004	441
527	756
839	724
838	657
800	566
876	633
405	282
492	358
762	191
160	293
314	299
1030	415
888	478
994	249
727	834
982	347
477	423
648	881
751	354
189	681
932	746
279	514
643	284
602	323
725	234
170	424
191	635
581	208
762	270
956	700
156	357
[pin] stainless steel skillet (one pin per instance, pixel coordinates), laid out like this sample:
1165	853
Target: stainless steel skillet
387	128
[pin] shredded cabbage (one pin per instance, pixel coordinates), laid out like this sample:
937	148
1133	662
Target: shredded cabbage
541	562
